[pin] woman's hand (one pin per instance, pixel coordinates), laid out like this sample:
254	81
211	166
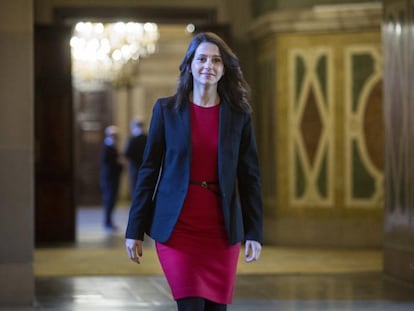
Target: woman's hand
134	249
252	250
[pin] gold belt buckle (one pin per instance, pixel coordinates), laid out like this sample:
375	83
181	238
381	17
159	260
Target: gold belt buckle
204	184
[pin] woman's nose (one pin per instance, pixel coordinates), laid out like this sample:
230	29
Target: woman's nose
209	64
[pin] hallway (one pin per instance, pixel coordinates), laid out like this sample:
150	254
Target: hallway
72	277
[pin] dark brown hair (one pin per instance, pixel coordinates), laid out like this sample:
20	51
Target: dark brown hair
232	86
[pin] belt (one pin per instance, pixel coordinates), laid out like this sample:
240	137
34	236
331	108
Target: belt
206	185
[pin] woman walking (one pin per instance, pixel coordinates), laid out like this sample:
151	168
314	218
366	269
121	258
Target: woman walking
199	191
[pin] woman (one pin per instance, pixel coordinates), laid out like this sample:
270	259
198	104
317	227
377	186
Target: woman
199	192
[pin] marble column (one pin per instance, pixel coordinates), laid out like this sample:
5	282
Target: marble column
398	47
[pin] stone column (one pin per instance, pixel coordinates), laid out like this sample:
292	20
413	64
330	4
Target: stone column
16	153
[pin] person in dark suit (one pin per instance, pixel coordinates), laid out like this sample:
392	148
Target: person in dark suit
134	150
198	192
111	168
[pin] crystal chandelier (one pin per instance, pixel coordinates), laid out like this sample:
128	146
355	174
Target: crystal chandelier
100	52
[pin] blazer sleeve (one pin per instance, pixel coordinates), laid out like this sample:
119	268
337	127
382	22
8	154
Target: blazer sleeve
249	184
140	214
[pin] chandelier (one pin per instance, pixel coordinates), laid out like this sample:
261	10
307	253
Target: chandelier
101	52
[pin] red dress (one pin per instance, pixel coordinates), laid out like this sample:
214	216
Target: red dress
198	260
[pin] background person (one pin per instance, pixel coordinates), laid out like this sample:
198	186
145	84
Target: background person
134	151
208	198
111	168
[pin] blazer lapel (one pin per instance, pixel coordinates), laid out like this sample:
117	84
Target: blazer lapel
224	135
184	120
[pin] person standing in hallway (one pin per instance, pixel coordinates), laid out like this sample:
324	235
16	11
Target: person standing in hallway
134	150
198	192
111	168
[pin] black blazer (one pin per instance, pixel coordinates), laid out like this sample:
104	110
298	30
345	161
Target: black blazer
134	149
169	145
110	167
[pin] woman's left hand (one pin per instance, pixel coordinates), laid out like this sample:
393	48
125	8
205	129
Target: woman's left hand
252	250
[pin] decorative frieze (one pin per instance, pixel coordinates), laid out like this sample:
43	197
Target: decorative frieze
326	18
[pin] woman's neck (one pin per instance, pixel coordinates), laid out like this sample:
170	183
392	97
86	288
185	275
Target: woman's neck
205	97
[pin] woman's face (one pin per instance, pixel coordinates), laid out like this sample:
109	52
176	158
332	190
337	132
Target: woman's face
207	66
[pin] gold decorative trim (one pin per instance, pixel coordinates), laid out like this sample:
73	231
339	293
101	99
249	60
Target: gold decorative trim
354	122
311	197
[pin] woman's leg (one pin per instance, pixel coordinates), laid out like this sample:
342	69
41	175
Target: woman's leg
191	304
214	306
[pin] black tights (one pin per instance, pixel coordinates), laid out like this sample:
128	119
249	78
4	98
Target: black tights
199	304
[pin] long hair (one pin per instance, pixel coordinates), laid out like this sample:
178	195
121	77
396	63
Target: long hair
232	86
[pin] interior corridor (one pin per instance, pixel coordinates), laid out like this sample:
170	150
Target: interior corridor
95	274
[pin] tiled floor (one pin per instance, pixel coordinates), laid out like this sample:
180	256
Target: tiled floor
278	291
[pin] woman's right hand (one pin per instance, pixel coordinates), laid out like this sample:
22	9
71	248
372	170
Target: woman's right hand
134	249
